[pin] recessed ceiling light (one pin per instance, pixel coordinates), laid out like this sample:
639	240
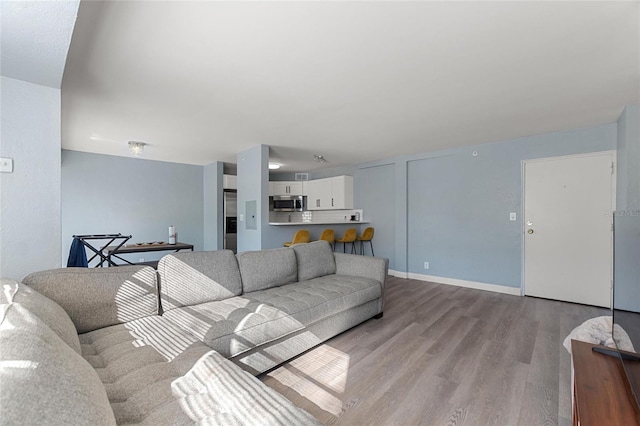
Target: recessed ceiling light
136	147
274	166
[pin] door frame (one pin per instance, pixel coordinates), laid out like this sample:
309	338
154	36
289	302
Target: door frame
613	155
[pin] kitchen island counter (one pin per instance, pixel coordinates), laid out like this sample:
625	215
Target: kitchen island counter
342	222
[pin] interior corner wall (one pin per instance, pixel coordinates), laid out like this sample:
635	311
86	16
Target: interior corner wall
628	161
253	185
30	223
106	194
212	206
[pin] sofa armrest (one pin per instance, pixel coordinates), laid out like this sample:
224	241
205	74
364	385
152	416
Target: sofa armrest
375	268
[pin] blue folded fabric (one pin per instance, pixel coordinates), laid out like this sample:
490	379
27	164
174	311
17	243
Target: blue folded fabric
77	255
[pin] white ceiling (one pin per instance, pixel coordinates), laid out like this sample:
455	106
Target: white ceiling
35	38
353	81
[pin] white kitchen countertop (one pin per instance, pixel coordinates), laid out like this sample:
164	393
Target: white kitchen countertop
342	222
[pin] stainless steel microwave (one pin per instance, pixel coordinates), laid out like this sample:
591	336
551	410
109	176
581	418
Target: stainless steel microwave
288	203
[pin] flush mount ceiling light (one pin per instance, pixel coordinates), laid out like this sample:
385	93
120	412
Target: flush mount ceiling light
136	147
319	159
274	166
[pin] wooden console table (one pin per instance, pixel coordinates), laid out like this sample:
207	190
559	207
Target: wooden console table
113	251
601	394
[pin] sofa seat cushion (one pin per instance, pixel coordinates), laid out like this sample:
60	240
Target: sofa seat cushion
137	362
312	300
42	379
218	392
236	325
156	373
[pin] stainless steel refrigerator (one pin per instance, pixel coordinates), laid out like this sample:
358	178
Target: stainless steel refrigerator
230	220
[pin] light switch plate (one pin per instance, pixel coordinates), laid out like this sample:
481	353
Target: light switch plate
512	216
6	165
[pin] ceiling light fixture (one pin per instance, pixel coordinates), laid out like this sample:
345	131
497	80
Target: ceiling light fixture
319	159
136	147
274	166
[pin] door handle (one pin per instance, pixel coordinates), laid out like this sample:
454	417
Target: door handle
530	231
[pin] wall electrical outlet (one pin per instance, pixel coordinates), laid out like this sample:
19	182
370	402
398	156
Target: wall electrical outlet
512	216
426	265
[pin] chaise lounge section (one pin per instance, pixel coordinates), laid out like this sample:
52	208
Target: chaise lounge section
108	350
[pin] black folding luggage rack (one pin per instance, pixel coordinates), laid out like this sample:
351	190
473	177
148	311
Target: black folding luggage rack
119	239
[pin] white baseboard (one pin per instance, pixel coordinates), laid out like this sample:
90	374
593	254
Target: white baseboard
398	274
459	283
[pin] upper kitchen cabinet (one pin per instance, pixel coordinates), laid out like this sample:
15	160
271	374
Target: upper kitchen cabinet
285	188
334	193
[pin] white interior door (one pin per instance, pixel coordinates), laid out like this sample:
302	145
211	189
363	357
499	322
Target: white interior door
568	237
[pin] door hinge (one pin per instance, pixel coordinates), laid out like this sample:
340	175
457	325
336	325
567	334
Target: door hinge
612	167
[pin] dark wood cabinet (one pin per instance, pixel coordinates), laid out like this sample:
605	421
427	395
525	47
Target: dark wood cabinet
601	394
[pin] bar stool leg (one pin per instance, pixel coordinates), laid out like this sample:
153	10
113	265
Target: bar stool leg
371	242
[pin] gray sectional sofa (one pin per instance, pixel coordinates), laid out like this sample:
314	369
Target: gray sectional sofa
130	345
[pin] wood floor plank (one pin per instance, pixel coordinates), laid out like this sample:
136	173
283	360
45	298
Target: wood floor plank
441	355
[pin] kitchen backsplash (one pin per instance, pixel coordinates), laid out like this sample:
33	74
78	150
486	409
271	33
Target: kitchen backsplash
315	216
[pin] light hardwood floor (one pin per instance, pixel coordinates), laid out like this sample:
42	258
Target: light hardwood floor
442	355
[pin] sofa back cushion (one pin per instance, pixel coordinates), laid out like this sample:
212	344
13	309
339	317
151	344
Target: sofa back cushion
314	260
191	278
44	381
44	308
267	268
99	297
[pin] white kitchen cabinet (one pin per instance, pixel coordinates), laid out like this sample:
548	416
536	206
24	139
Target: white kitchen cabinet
285	188
334	193
319	194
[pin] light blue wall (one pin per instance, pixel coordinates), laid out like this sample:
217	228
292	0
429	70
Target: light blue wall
212	205
29	196
628	142
627	221
449	207
104	194
253	185
458	216
379	206
626	266
452	209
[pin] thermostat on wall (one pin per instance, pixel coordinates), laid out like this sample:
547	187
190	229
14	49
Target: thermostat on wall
6	165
